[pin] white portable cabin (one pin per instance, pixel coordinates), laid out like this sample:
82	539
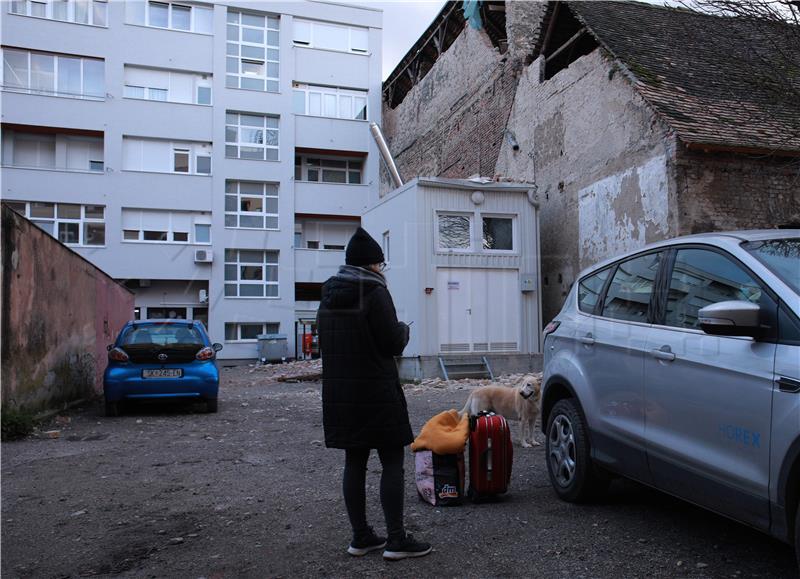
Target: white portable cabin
464	269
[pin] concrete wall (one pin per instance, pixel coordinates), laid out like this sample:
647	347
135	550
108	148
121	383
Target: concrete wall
600	159
59	313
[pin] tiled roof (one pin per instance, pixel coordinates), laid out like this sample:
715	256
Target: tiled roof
712	78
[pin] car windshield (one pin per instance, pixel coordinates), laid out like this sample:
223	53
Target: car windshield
164	335
781	256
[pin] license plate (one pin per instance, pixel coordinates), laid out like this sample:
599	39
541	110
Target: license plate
163	373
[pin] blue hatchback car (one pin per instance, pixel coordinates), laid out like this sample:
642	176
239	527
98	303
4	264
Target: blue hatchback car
157	359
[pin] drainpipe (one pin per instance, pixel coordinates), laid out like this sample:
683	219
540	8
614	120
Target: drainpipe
385	154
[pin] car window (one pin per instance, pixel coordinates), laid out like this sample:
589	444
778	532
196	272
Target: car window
162	335
628	296
589	289
700	278
782	256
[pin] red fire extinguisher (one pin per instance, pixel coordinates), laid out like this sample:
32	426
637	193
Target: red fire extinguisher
308	340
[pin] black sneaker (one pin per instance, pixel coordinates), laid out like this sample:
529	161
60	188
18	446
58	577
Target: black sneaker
363	545
408	547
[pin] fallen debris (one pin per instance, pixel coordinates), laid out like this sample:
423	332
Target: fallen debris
298	371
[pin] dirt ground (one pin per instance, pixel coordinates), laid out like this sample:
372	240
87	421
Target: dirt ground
169	491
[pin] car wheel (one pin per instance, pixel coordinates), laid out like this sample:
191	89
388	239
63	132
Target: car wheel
112	408
212	404
572	473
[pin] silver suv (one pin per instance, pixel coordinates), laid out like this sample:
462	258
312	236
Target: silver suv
678	365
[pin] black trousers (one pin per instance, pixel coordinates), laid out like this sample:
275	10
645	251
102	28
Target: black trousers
392	483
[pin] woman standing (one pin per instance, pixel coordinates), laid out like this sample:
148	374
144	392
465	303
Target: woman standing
363	403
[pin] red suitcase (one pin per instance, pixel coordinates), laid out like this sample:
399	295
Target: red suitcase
490	455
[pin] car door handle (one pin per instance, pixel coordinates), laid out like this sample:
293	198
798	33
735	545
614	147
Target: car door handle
788	385
587	340
663	353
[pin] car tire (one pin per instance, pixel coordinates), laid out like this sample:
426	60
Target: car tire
112	409
572	472
212	405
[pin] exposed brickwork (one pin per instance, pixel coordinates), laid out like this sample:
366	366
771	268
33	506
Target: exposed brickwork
718	192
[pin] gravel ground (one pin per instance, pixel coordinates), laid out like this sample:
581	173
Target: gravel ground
168	491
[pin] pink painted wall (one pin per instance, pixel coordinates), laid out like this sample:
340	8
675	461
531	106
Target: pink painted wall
58	314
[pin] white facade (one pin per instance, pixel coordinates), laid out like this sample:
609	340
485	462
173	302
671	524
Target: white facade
463	265
213	156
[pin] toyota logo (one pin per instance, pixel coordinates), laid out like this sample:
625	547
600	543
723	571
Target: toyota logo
162	357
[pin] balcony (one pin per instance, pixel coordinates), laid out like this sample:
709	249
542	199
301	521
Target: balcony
330	198
167	120
36	184
131	260
22	108
316	265
331	134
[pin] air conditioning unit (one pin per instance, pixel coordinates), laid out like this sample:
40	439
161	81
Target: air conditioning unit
203	256
203	296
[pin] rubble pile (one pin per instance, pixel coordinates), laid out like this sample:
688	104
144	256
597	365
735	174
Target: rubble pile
510	380
299	371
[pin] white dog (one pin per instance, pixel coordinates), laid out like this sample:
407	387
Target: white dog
520	402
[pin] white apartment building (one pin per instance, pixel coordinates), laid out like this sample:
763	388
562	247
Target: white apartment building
214	157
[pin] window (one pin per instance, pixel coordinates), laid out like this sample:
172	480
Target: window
455	232
71	224
498	233
328	169
589	289
628	296
251	273
152	225
53	74
184	17
249	332
330	36
93	12
163	156
701	278
250	204
53	151
253	51
249	136
167	85
329	102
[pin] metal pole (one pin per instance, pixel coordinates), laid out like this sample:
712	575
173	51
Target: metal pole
385	154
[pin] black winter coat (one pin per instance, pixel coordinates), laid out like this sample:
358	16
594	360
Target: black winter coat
363	404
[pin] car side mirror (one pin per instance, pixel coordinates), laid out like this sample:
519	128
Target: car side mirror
217	346
731	318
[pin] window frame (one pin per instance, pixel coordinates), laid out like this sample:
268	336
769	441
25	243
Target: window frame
238	327
312	24
239	144
264	264
266	187
28	89
437	237
514	233
195	148
304	166
271	83
338	92
71	12
193	19
55	220
171	231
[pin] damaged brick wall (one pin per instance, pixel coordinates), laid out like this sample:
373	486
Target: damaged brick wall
451	124
59	312
600	159
723	191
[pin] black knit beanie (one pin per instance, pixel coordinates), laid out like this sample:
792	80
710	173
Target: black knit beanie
363	250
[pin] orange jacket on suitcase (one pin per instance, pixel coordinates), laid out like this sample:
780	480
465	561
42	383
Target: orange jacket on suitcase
490	455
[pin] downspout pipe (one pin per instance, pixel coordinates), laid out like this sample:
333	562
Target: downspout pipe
385	154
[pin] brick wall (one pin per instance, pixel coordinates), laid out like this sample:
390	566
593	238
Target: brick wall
59	312
723	191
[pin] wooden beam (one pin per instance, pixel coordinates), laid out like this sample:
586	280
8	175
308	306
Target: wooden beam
550	26
567	44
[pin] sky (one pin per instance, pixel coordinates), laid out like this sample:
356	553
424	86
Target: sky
403	23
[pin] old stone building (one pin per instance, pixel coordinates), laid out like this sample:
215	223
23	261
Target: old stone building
636	122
